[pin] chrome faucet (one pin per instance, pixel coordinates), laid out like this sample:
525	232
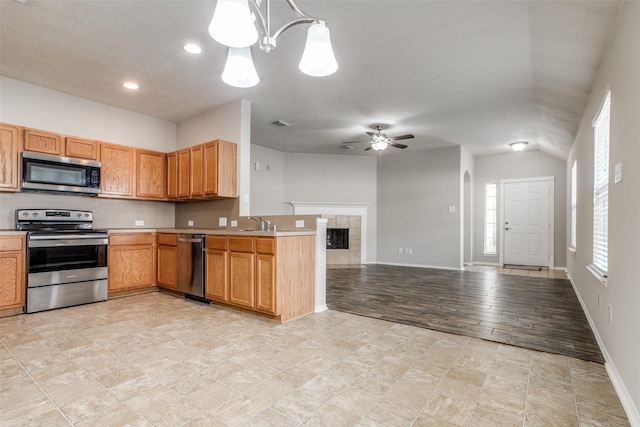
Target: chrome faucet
259	220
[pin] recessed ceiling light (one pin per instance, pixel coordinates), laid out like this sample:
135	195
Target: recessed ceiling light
131	85
192	48
518	145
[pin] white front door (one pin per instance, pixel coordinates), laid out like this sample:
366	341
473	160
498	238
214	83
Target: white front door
527	230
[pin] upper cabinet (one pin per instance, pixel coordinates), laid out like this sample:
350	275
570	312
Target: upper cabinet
9	160
117	172
81	148
203	171
43	142
150	174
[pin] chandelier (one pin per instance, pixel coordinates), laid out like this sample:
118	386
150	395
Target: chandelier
234	25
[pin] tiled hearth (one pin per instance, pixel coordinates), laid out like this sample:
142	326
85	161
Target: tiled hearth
351	255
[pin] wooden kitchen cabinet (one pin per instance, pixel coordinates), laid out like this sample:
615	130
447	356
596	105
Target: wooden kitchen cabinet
43	142
131	261
266	298
167	260
242	271
81	148
216	269
117	174
150	174
10	138
203	171
12	274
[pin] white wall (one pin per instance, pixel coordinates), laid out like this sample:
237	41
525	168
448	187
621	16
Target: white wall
620	72
33	106
267	184
415	190
24	104
524	164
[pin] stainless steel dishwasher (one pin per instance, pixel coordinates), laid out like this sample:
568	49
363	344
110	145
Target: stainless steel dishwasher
191	265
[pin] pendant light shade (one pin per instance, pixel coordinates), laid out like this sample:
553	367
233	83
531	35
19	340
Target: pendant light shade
239	70
318	59
232	24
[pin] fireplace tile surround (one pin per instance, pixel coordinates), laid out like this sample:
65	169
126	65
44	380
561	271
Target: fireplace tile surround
351	255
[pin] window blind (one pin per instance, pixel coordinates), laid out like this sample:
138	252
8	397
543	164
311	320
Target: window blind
601	186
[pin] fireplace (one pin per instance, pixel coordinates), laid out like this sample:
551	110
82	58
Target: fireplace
337	238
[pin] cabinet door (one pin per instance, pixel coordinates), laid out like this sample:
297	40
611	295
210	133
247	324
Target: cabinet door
9	147
241	279
216	275
210	169
42	142
184	173
266	299
117	172
12	272
195	163
172	175
167	267
150	173
130	267
81	148
227	169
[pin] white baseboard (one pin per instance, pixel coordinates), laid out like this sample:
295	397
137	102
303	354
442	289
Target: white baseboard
618	384
320	308
438	267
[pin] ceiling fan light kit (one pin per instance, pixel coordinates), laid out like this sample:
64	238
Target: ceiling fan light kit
380	141
234	25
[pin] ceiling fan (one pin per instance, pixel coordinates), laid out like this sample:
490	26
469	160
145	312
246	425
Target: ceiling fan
380	141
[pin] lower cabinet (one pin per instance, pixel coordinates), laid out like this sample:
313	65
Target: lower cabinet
167	260
216	269
271	275
12	274
130	261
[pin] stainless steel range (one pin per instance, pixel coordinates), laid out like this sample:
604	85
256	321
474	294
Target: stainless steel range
66	258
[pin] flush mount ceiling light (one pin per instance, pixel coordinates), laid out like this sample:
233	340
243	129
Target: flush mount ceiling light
518	145
234	25
131	85
192	48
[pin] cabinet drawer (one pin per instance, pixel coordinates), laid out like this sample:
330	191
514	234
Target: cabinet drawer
167	239
265	245
12	243
217	242
241	244
131	239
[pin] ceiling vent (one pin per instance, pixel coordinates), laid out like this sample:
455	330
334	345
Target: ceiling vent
281	123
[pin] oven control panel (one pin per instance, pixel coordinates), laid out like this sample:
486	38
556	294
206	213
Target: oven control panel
53	215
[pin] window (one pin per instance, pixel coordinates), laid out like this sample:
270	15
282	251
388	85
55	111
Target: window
601	187
574	205
490	220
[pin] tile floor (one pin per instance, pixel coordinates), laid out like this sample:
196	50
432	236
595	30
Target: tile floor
159	360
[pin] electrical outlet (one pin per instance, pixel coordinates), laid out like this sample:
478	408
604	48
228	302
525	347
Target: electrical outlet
410	251
400	251
190	223
234	223
139	222
299	223
452	209
610	314
222	221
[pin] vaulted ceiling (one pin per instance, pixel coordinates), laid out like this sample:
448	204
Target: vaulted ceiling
479	74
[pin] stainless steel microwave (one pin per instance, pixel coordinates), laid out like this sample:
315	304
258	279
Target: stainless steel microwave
45	172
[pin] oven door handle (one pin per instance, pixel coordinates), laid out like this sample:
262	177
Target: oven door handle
52	243
65	236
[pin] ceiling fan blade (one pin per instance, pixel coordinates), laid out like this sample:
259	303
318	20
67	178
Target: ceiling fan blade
370	133
355	142
393	144
368	148
398	138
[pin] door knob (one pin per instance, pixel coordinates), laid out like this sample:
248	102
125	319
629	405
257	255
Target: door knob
507	228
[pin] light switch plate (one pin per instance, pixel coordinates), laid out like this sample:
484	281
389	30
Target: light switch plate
452	209
234	223
190	223
222	221
299	223
617	172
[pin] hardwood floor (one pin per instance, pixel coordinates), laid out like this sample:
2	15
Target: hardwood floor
538	313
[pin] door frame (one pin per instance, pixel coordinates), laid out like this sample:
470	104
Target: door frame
551	209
